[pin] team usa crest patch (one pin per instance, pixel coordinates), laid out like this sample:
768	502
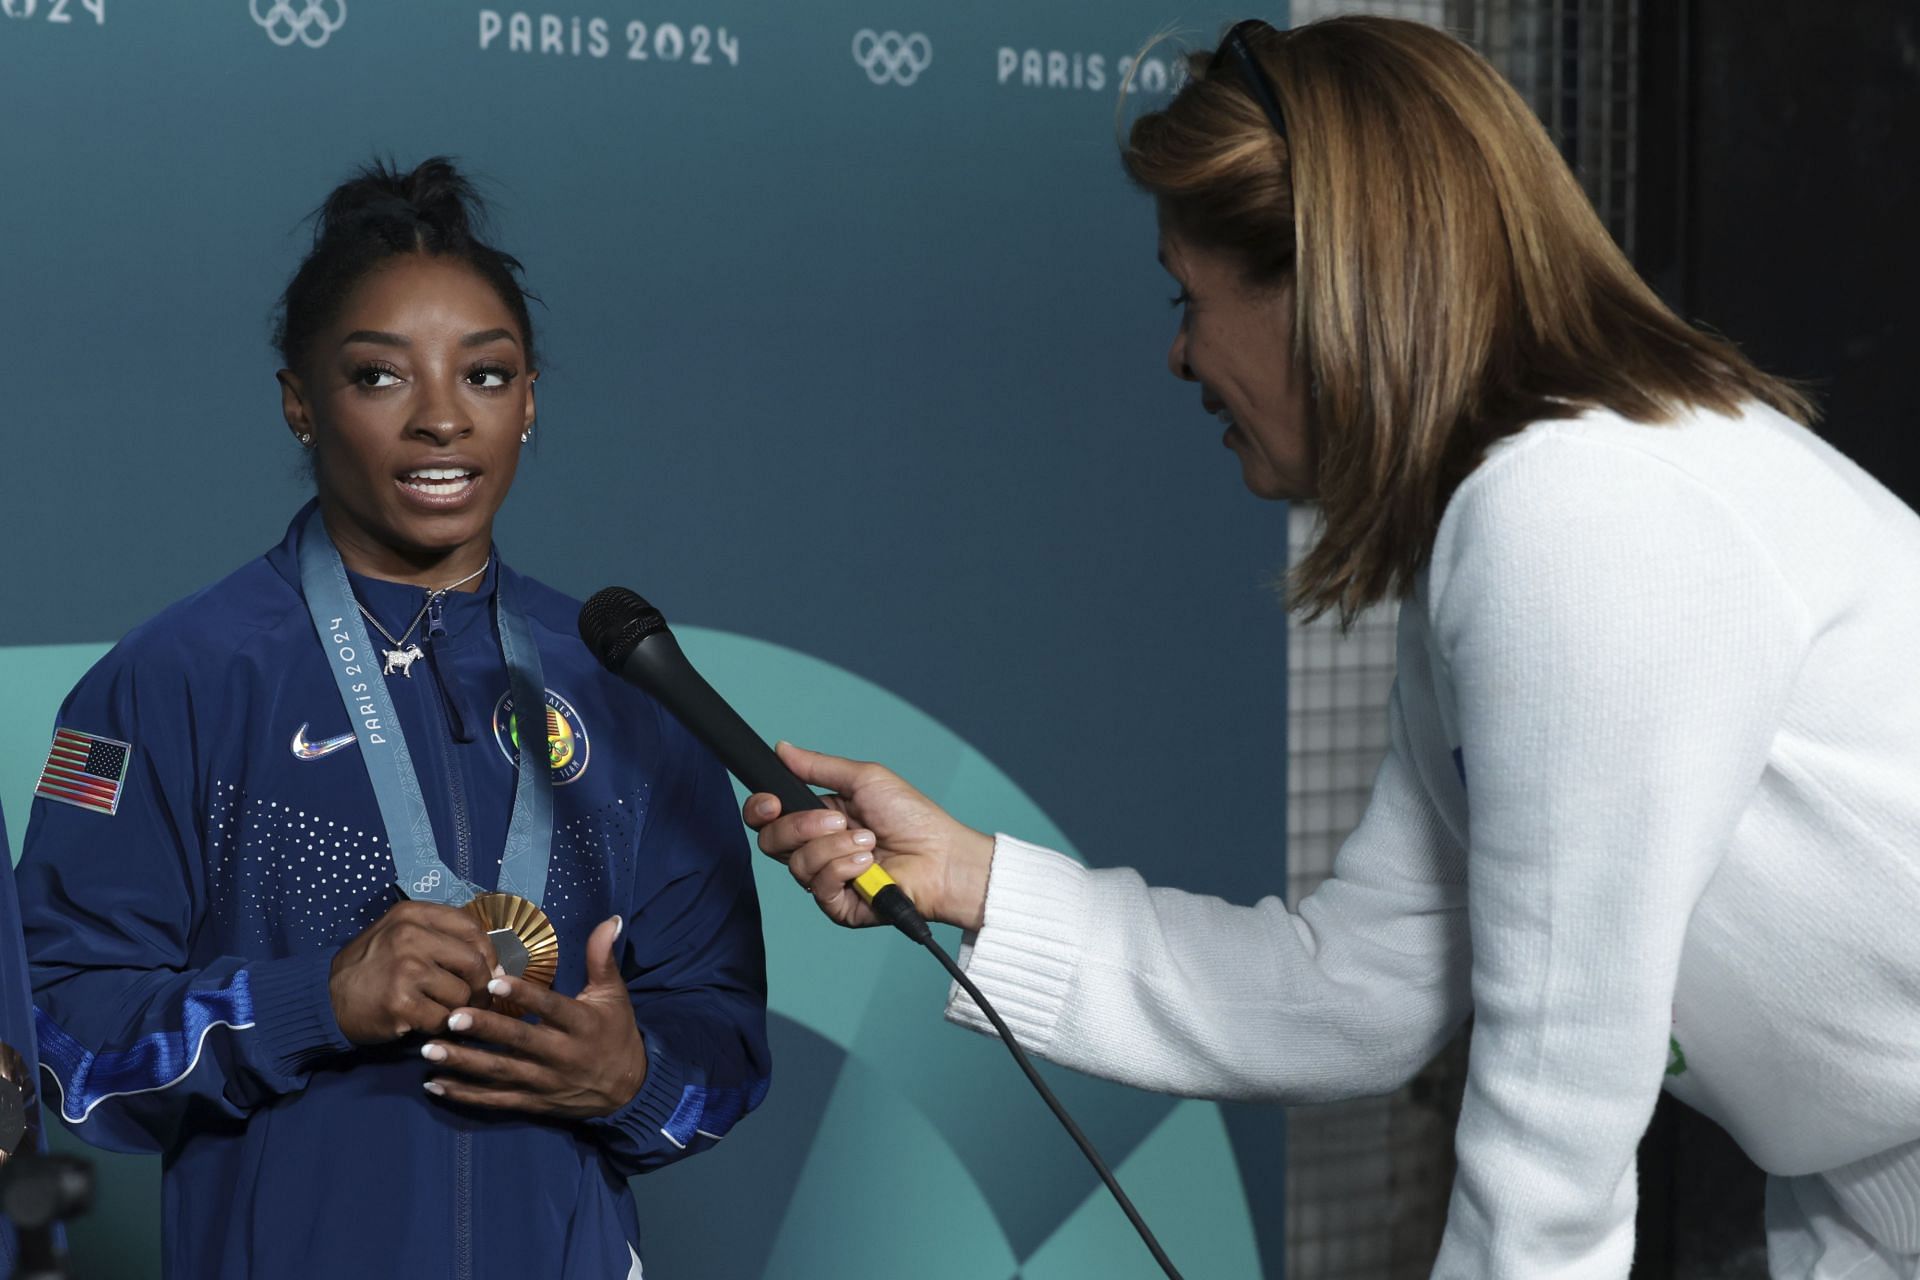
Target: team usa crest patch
85	770
567	746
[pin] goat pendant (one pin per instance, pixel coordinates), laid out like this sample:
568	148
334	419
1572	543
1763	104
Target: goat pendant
402	660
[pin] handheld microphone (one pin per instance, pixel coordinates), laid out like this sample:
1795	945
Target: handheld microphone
630	638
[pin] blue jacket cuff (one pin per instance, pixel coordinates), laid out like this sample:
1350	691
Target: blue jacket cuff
293	1020
646	1120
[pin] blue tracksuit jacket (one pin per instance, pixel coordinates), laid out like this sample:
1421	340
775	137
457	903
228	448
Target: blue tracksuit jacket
181	947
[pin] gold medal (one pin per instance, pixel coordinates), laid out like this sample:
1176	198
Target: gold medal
523	938
16	1103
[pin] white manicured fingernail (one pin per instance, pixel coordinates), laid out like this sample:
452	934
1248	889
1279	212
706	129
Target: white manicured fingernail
499	971
863	838
499	987
460	1022
433	1087
619	923
433	1052
862	858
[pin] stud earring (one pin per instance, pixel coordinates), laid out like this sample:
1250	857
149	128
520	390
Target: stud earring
526	435
306	439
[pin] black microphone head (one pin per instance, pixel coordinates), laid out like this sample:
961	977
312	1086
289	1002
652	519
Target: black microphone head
614	621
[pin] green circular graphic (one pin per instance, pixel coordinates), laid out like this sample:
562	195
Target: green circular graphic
935	1123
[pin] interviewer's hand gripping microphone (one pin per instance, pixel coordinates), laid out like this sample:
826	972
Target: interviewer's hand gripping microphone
631	639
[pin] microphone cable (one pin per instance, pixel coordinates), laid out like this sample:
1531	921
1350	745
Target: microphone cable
1053	1104
632	640
894	907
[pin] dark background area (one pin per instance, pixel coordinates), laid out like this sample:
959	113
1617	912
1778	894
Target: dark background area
1780	198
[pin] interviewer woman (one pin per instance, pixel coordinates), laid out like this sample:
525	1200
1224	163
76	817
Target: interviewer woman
1651	815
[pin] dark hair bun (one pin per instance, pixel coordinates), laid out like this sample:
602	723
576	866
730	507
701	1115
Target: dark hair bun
435	200
379	213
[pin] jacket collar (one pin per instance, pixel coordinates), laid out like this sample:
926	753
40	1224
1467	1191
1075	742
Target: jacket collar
464	613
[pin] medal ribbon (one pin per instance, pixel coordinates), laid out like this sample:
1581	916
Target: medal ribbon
383	746
529	848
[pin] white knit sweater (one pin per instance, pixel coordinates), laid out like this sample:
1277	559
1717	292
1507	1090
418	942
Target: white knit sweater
1651	815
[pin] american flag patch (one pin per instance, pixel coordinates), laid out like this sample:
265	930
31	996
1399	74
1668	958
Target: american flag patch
85	770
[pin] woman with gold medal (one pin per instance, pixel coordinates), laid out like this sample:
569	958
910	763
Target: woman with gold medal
393	986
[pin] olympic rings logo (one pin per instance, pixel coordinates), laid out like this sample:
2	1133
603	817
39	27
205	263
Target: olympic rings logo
891	57
311	23
428	882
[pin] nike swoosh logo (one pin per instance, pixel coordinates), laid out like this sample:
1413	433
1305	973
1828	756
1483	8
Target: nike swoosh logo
304	750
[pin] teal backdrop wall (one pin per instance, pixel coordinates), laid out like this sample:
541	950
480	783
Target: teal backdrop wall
855	366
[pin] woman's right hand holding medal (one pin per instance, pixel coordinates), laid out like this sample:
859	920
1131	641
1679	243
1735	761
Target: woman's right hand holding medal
408	971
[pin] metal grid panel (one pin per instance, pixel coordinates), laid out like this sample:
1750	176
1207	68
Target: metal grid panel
1367	1181
1576	63
1428	11
1337	686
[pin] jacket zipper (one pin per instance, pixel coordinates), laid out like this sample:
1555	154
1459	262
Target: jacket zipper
437	626
463	867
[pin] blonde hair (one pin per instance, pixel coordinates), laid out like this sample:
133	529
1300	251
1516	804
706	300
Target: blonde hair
1452	282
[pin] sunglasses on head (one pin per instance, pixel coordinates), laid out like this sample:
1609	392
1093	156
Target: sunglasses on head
1235	46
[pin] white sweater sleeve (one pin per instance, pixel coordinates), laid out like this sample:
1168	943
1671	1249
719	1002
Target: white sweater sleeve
1191	995
1621	649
